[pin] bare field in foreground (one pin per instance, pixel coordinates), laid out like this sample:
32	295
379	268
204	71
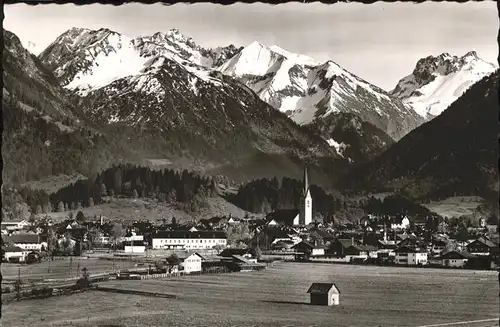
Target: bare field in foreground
370	296
62	268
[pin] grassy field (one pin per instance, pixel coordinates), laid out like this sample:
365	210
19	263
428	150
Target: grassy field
125	209
370	296
54	183
455	206
59	269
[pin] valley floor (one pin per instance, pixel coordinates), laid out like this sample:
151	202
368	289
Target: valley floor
370	296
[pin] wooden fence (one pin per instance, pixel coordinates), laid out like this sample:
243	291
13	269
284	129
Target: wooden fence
133	292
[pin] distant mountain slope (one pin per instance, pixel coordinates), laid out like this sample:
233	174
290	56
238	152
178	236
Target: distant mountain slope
436	82
307	90
177	107
454	154
354	139
44	134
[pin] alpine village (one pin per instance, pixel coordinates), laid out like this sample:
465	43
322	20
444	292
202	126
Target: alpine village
188	172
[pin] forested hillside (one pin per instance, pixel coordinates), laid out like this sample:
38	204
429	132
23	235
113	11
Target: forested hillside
455	154
186	189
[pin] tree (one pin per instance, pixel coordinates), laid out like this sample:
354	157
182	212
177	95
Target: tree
117	232
173	260
103	190
91	202
38	209
463	234
174	221
80	217
70	215
66	246
21	211
60	207
51	240
492	220
32	219
171	196
256	252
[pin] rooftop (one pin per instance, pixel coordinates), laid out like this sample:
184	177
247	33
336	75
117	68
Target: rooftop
23	238
322	288
188	234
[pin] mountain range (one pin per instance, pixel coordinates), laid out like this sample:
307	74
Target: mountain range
307	90
437	81
456	153
245	112
164	112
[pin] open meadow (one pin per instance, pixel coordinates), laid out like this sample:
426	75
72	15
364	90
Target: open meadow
61	268
370	296
455	206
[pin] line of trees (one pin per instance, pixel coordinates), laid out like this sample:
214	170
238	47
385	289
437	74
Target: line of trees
188	188
395	205
266	195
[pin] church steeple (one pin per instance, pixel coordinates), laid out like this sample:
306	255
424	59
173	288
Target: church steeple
305	217
306	181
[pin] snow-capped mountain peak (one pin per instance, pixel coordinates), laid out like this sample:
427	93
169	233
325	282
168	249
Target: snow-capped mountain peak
84	60
437	81
306	89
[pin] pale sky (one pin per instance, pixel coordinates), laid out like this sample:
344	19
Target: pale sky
380	42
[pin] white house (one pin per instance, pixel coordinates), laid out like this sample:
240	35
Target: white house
134	248
454	259
438	246
232	221
12	253
318	252
410	256
188	240
273	222
133	238
25	241
103	239
400	223
12	226
190	262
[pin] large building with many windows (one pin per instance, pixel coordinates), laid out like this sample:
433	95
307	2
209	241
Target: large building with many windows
189	240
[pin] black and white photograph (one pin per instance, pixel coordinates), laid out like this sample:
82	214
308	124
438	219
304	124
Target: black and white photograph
250	164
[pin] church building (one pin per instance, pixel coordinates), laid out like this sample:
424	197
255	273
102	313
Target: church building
305	215
294	217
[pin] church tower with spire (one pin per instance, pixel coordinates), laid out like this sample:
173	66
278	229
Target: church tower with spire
305	217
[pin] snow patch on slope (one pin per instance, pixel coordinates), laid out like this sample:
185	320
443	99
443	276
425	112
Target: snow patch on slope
122	62
339	147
